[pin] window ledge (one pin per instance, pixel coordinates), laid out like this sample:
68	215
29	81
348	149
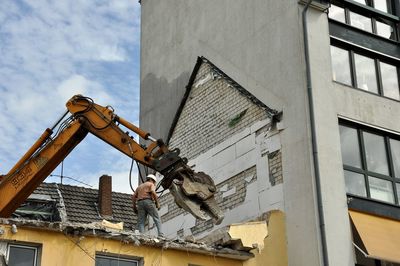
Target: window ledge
361	31
372	206
364	42
316	4
364	91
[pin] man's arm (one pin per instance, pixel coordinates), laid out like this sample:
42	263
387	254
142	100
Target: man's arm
154	196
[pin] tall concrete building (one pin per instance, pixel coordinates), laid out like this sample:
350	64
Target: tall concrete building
326	150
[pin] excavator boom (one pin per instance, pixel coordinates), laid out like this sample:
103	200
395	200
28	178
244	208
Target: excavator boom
192	191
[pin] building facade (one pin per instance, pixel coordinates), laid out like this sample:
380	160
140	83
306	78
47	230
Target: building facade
64	225
226	132
337	86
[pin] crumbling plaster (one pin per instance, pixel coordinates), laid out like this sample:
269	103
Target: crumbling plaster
96	237
236	154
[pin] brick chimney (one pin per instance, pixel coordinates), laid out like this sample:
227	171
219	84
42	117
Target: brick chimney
105	195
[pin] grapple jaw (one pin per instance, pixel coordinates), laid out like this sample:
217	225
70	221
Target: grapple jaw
194	192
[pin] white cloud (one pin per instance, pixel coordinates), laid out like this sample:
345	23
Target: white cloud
54	50
78	84
112	53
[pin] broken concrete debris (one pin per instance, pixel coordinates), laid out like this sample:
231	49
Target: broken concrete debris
114	226
241	236
98	229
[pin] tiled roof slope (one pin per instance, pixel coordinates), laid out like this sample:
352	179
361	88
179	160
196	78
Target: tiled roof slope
49	189
80	204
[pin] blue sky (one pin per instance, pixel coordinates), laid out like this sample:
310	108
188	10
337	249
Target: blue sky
52	50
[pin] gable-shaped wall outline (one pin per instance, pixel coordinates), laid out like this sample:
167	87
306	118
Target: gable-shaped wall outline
215	107
243	158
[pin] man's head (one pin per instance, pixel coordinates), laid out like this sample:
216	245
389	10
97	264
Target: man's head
152	178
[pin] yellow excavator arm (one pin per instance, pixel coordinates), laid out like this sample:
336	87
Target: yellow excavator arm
192	191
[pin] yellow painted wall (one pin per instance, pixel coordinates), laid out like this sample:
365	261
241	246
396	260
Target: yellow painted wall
275	248
61	250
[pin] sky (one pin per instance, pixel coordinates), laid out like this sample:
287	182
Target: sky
52	50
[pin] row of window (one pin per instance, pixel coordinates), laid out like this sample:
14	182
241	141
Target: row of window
371	162
377	25
366	73
28	255
381	5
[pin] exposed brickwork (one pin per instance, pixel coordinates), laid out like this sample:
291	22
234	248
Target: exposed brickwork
205	119
215	110
238	182
275	167
201	226
173	209
230	202
105	195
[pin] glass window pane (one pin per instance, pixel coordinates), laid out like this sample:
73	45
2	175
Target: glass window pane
340	65
390	81
366	74
349	146
360	21
381	5
104	261
384	30
337	13
398	192
21	256
381	189
375	153
395	148
364	2
355	183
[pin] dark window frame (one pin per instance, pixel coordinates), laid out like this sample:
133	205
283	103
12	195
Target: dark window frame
374	14
390	4
36	248
377	59
138	260
363	170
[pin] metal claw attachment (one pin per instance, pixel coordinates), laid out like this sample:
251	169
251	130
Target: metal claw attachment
194	192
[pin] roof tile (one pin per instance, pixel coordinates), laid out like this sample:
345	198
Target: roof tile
80	204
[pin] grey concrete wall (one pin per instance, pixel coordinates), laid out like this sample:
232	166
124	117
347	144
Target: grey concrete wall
231	33
259	44
338	233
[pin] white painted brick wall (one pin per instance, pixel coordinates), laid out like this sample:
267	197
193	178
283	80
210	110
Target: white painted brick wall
242	183
235	157
211	105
